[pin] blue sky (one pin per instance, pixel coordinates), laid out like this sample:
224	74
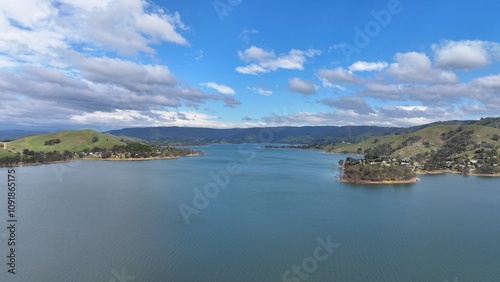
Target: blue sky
107	64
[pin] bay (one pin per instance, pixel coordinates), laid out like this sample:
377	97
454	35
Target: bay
112	220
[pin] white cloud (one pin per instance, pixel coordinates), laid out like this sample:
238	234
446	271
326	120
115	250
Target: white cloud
417	67
223	89
367	66
7	63
489	83
337	75
42	67
263	61
301	86
260	91
466	54
126	26
252	69
132	76
256	54
385	116
351	103
133	118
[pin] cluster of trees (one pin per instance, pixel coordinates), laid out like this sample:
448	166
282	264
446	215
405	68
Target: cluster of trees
458	141
447	135
358	171
409	141
139	150
52	142
378	152
488	161
32	157
382	151
487	169
133	150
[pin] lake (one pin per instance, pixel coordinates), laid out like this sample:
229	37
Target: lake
241	213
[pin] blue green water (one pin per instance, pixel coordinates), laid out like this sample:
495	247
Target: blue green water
118	221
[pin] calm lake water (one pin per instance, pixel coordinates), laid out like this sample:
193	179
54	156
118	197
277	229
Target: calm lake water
121	221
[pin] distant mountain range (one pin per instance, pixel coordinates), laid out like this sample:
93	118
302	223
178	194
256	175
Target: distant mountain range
287	134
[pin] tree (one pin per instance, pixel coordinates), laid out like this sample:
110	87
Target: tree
95	139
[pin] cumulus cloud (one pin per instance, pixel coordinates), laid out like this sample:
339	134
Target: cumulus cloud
256	54
386	116
132	76
368	66
59	95
260	91
417	67
145	24
132	118
489	83
221	88
350	103
431	94
47	62
466	54
263	61
301	86
337	75
127	27
230	101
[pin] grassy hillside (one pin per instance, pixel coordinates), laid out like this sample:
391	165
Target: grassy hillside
71	140
415	141
489	121
5	153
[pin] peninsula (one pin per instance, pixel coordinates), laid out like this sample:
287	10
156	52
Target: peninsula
86	144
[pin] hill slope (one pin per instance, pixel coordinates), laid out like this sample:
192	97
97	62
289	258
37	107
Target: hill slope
424	140
71	140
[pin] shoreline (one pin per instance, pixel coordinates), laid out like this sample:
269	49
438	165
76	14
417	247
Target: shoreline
437	172
100	159
410	181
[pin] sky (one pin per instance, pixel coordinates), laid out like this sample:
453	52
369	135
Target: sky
110	64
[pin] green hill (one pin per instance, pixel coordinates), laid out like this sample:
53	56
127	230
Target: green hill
424	140
5	153
489	121
71	140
